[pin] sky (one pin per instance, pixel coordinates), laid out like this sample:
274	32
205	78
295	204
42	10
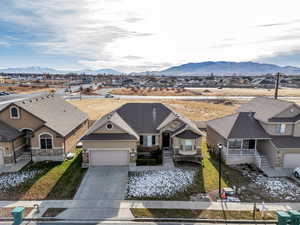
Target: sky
139	35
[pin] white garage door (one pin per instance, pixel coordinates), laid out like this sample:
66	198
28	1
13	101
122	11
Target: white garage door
109	157
291	160
1	157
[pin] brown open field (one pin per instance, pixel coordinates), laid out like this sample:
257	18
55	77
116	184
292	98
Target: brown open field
288	92
25	90
154	92
195	110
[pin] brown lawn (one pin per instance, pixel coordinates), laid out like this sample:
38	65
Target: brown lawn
285	92
26	90
194	110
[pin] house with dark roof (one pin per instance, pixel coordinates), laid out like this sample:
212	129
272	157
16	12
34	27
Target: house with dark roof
120	136
44	127
264	132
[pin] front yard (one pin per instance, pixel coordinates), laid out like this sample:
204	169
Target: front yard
194	182
43	180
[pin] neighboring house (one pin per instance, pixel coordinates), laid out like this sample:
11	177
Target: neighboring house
118	137
264	131
42	128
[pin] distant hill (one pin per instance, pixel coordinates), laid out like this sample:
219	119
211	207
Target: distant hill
45	70
229	68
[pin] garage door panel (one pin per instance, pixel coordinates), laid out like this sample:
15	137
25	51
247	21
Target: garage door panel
109	157
291	160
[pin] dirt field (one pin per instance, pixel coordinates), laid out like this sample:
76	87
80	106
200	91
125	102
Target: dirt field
25	90
207	92
195	110
154	92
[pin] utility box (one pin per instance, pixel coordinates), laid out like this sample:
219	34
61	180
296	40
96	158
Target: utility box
295	217
283	218
17	214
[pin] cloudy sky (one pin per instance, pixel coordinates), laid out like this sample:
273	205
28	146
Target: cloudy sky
139	35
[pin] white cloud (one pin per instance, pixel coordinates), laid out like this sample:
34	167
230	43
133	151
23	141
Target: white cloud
156	33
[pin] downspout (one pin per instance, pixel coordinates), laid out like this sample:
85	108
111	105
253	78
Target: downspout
13	147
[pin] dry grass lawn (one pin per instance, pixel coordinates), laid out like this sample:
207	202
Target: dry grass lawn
26	90
194	110
201	214
285	92
154	92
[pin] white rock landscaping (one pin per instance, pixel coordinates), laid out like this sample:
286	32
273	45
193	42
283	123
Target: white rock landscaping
278	187
10	180
159	183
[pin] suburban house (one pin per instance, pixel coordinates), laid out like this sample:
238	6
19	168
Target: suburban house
118	137
264	131
40	128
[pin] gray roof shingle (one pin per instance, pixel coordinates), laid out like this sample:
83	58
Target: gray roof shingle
286	142
238	125
58	114
188	134
8	133
109	136
265	108
144	117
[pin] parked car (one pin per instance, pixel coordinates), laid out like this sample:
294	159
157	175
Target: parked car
2	93
109	96
296	172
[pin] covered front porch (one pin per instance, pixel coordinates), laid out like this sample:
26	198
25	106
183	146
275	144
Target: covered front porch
242	151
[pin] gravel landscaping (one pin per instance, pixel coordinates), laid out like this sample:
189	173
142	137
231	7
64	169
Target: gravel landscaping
10	180
160	184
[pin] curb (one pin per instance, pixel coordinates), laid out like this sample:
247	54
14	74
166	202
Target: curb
153	220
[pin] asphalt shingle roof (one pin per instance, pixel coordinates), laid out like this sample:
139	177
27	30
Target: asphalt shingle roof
238	125
8	133
286	141
188	134
109	136
144	117
58	114
265	108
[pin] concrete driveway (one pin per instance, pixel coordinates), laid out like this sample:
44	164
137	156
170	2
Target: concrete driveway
103	183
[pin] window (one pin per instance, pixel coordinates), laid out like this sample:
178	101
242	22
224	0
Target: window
109	126
46	141
280	128
147	140
14	113
188	145
249	144
235	144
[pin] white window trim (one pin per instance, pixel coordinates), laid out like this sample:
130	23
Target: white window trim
280	128
18	110
40	146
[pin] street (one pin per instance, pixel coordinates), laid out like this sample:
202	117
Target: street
112	223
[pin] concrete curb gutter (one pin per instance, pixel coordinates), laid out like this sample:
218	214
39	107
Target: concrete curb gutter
53	219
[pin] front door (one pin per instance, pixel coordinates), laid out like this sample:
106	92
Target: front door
166	140
27	135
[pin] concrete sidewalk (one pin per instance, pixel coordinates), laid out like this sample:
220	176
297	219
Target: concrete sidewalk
127	204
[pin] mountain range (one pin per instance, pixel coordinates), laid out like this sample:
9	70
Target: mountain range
193	69
229	68
45	70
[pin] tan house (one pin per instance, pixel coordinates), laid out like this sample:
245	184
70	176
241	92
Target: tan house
40	128
118	137
264	131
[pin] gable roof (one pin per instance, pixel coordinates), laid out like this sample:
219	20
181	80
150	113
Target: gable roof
265	108
8	133
58	114
144	117
114	118
238	125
